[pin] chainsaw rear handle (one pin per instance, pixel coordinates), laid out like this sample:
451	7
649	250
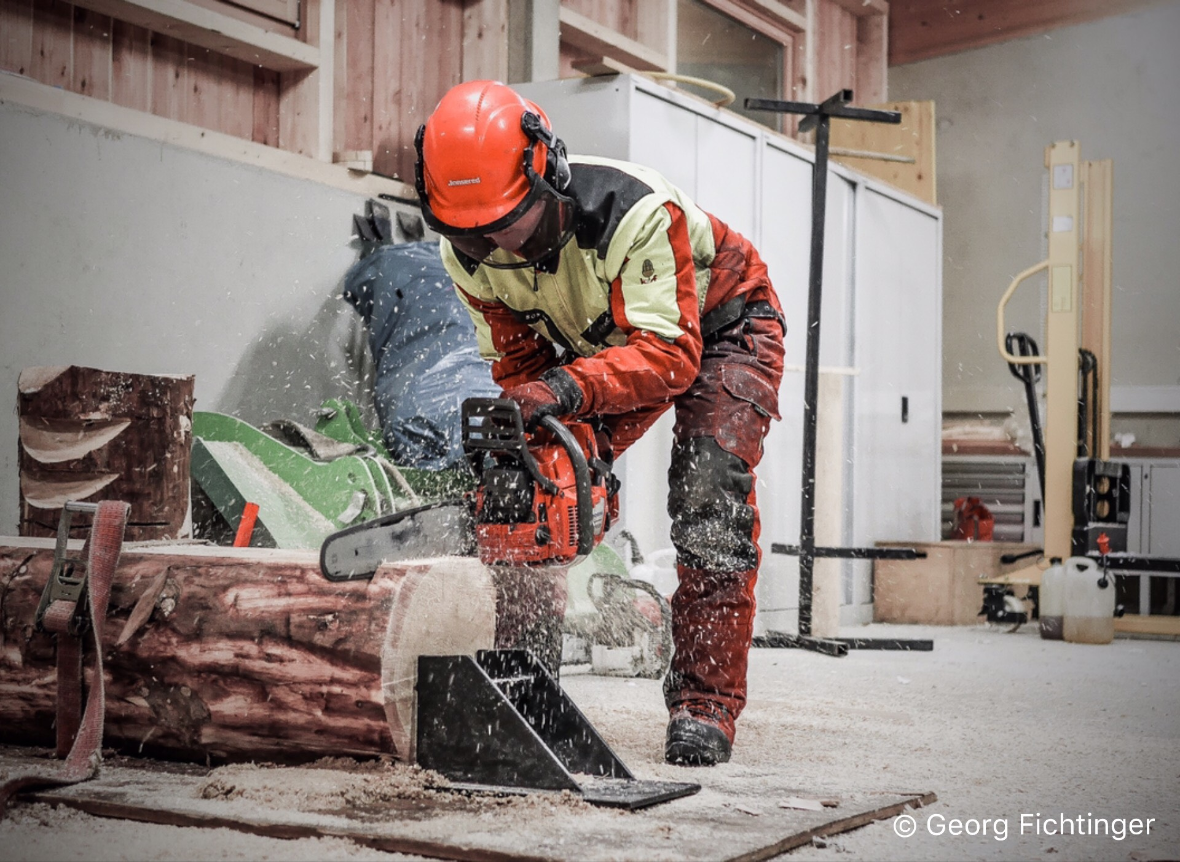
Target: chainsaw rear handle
1010	358
582	481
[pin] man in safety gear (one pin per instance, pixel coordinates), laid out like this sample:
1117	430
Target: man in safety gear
653	303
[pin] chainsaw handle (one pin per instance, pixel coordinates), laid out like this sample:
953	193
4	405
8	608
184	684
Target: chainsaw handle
582	482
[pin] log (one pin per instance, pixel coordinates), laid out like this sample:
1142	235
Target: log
220	654
91	435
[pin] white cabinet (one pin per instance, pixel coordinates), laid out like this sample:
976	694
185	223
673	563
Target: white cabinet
1154	525
881	317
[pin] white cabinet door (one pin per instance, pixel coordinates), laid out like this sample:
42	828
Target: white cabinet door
727	174
897	351
1161	501
664	137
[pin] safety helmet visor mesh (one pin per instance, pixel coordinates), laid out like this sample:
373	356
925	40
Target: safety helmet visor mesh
532	232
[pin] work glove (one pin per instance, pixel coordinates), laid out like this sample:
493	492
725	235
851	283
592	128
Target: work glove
536	400
555	394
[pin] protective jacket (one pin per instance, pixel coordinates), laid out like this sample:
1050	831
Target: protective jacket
631	297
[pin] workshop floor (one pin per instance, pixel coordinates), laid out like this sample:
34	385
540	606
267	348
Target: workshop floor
998	725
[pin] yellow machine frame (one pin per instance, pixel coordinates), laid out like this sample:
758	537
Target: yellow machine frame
1079	270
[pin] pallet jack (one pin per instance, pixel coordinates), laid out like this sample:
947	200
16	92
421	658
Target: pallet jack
1086	495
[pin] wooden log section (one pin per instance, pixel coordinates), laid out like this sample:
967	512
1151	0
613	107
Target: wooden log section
219	654
91	435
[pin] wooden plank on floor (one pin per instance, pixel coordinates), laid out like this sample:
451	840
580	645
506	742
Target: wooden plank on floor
1148	625
739	816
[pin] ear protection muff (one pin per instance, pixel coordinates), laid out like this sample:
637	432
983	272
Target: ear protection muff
557	166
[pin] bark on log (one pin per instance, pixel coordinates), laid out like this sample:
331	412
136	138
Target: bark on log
93	435
245	654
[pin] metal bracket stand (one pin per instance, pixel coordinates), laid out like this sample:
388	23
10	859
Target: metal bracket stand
497	721
819	118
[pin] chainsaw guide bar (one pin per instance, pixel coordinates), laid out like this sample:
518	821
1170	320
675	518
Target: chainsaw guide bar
440	529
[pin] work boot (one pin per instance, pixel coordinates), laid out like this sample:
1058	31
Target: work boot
696	736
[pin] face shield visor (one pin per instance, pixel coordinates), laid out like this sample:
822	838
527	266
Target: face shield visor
534	230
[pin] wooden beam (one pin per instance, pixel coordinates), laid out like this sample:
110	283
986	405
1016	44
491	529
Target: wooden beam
1097	234
922	29
485	40
782	14
872	59
864	8
305	97
208	29
590	37
42	97
1145	625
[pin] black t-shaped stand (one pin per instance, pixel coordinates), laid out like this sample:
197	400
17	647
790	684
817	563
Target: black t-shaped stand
819	117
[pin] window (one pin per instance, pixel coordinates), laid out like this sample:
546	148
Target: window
714	46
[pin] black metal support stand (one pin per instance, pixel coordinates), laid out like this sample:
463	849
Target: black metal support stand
499	722
819	118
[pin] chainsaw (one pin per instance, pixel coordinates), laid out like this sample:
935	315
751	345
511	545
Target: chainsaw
543	496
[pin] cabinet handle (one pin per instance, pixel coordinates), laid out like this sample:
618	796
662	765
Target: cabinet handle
905	409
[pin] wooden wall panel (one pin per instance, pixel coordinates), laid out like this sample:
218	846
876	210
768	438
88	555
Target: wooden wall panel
235	98
339	76
387	88
872	49
16	36
390	61
202	87
485	40
619	15
913	138
266	107
356	91
169	77
131	58
92	54
53	36
417	57
836	49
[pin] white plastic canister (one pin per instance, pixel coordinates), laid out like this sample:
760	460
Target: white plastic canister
1051	600
1089	603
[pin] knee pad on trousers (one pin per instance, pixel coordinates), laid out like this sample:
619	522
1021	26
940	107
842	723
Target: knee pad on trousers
712	522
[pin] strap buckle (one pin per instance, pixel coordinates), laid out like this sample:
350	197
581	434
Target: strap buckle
67	580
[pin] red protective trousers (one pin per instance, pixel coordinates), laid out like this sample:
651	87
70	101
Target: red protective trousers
721	421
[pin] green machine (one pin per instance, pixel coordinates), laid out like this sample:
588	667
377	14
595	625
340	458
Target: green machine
311	482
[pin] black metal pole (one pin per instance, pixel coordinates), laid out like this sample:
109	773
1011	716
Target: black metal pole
819	199
818	117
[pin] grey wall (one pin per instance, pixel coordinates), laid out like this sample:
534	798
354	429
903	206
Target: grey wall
1113	85
125	254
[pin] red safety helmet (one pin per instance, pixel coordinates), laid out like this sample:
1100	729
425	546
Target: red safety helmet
491	174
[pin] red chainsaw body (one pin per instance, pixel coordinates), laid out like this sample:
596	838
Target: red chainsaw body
520	522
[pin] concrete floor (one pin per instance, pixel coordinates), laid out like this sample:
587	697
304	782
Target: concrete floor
998	725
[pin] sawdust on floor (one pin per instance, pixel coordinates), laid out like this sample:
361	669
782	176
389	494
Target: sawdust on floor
343	783
997	724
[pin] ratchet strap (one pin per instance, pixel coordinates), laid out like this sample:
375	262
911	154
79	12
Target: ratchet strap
74	603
